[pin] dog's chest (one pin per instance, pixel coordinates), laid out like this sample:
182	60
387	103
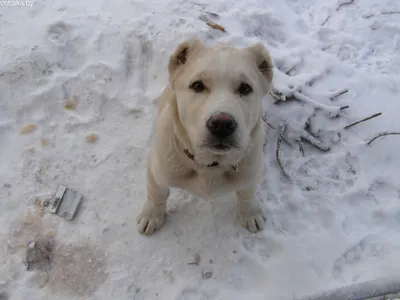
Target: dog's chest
207	185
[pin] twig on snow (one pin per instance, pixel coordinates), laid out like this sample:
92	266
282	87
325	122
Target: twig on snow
338	93
301	148
381	135
331	109
326	20
264	118
381	13
278	146
347	2
390	12
315	142
363	120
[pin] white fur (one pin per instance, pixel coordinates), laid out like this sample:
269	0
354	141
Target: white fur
181	124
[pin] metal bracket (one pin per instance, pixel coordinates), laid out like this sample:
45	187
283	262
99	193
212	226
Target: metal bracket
65	203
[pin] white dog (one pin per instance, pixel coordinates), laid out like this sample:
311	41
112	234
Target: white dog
209	134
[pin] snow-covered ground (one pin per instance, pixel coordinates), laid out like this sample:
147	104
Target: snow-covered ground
338	222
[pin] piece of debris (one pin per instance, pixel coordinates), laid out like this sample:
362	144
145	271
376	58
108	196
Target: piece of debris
44	142
38	255
92	138
214	15
71	104
31	149
215	26
196	260
207	274
66	203
7	185
206	19
28	128
209	16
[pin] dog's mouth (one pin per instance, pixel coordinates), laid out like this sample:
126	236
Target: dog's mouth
221	147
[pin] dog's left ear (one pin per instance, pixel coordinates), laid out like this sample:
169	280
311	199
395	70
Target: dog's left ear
262	59
183	53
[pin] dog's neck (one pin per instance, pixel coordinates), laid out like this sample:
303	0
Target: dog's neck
213	164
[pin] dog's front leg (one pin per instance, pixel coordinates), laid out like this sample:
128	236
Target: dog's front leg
250	214
151	216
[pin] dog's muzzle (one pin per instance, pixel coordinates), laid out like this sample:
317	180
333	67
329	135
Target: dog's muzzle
221	127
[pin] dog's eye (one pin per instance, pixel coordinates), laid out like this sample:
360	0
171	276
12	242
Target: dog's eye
244	89
197	86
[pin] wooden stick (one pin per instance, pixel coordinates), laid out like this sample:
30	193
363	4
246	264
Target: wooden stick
363	120
315	142
381	135
278	146
264	118
337	93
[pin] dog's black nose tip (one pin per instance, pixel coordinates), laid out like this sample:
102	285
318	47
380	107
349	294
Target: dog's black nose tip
221	125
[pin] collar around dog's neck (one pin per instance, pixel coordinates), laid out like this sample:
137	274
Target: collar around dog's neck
213	164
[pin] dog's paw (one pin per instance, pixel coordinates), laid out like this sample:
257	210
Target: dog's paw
150	218
251	216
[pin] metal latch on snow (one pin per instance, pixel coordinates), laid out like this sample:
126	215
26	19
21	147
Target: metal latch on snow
65	203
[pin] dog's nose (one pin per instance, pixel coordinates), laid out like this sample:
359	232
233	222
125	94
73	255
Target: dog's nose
221	125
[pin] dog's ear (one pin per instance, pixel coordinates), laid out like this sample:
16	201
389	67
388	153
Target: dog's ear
262	59
182	54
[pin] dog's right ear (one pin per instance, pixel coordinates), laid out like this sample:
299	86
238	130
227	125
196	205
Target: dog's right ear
182	54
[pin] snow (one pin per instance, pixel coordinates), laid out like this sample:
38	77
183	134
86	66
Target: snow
336	224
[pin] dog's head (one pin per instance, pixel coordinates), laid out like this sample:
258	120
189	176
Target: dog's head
218	93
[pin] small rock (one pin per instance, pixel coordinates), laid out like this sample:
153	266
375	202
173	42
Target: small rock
3	296
207	274
7	185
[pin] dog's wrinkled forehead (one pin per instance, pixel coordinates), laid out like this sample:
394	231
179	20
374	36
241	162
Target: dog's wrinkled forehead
192	58
222	64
